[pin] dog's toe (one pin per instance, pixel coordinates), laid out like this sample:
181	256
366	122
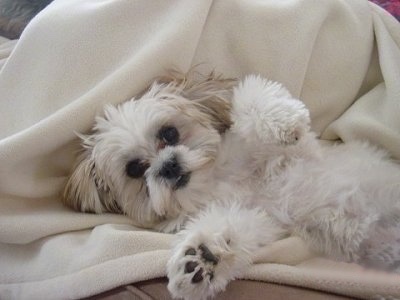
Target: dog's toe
207	255
190	251
198	276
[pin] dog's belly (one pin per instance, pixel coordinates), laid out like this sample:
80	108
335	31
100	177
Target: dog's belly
353	178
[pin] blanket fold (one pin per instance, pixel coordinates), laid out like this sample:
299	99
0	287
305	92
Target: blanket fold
342	58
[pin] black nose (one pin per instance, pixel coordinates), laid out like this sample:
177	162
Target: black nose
171	169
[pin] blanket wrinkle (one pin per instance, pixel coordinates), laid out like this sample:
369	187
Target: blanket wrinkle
374	116
341	57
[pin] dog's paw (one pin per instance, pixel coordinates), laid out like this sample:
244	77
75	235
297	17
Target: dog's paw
215	248
197	266
200	268
265	112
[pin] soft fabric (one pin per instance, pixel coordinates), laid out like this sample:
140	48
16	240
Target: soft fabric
342	58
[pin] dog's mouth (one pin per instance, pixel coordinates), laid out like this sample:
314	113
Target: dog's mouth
181	181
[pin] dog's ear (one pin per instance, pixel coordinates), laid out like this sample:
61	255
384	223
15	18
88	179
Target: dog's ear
218	110
85	189
211	93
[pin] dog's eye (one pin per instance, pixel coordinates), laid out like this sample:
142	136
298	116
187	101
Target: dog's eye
169	135
136	168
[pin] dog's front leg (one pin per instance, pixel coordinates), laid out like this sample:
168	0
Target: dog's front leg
217	247
264	113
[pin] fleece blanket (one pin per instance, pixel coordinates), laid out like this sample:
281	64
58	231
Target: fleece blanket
342	58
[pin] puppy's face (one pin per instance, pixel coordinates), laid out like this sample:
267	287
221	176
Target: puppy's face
152	158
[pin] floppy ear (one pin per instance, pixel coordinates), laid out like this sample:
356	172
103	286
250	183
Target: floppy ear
211	93
85	190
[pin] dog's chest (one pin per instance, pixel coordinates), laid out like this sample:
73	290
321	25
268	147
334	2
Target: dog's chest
239	178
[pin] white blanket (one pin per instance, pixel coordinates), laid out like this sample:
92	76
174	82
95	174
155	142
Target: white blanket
342	58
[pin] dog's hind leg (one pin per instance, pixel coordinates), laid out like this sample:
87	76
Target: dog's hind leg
217	247
336	232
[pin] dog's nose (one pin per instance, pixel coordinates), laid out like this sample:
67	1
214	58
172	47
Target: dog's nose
171	169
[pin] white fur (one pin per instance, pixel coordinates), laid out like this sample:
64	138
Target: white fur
265	178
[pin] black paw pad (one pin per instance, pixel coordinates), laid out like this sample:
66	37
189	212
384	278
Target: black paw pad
207	255
190	251
190	266
198	276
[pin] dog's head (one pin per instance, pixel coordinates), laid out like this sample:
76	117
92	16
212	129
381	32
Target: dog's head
151	157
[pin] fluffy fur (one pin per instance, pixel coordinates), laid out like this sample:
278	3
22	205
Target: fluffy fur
243	171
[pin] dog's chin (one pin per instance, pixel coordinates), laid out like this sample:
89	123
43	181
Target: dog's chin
163	194
185	196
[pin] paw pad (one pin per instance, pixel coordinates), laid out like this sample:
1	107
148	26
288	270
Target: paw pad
190	251
207	260
207	255
190	266
198	276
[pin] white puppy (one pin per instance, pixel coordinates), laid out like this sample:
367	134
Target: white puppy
234	167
